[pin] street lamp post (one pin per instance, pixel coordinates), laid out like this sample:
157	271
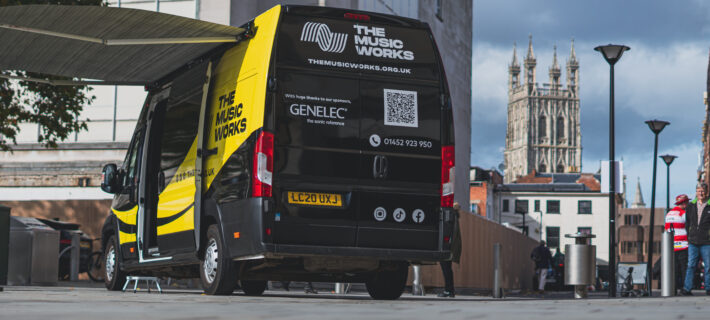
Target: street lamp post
656	126
612	53
668	159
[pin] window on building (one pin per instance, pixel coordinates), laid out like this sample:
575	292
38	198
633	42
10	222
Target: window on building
521	206
440	10
560	127
631	247
542	127
506	205
632	219
553	206
474	208
560	168
553	237
584	230
584	207
537	205
543	168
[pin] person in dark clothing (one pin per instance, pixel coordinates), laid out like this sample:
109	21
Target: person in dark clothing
697	225
449	291
543	259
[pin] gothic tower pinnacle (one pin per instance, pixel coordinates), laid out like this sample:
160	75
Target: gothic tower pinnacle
554	71
530	63
638	199
514	70
573	72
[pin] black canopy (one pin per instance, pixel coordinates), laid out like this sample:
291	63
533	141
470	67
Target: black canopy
115	45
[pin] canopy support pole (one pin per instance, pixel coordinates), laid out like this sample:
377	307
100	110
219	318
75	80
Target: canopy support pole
123	42
72	82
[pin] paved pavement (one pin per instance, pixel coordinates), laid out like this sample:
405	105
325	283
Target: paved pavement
73	302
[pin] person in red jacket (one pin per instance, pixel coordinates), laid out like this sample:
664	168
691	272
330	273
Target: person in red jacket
675	221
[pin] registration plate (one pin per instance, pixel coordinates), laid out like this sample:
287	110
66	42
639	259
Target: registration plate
315	199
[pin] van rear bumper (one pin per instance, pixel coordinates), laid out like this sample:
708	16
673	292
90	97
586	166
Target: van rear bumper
288	250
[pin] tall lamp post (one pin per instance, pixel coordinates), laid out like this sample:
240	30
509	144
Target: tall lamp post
656	126
612	53
668	159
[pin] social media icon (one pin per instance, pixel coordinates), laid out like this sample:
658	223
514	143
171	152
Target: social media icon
399	215
380	214
418	216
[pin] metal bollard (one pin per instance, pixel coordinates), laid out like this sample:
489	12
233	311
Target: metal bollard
339	288
497	292
417	288
667	265
74	258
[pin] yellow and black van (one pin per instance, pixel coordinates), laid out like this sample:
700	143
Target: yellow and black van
318	148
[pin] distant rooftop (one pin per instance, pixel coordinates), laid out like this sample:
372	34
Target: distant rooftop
555	182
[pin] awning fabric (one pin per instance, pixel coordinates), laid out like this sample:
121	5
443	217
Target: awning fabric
23	46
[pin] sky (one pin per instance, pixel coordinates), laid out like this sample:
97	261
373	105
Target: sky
662	77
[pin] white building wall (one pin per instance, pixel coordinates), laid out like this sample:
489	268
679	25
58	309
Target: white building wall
568	220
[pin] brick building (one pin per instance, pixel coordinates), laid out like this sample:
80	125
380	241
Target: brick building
483	184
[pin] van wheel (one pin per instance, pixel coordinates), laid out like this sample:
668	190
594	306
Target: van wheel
218	275
253	287
388	284
114	278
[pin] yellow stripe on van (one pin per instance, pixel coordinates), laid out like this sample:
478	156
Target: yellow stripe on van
239	93
178	195
127	217
126	237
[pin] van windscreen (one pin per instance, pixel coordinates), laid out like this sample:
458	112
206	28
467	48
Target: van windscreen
356	46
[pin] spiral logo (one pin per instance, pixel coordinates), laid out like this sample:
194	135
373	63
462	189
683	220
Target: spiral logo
327	41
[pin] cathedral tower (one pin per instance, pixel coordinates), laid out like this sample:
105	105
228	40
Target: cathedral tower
543	132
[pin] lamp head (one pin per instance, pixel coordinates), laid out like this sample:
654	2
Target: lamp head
612	52
657	125
668	158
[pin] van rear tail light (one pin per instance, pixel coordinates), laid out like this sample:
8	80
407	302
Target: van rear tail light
263	165
356	16
447	176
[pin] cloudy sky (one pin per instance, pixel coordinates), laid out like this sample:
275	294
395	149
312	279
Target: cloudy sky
663	76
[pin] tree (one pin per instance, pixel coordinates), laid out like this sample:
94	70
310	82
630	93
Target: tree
55	109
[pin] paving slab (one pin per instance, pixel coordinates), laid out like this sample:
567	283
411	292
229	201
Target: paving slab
71	302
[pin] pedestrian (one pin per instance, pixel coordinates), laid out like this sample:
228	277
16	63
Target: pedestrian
542	258
449	291
697	225
675	222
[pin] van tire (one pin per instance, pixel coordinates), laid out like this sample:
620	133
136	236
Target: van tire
253	287
114	278
388	284
218	274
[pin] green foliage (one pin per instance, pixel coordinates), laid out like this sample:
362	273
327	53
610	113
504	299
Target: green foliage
55	109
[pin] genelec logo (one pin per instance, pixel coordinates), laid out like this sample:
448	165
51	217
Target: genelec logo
369	41
320	33
305	110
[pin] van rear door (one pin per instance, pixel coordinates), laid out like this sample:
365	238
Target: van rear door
358	116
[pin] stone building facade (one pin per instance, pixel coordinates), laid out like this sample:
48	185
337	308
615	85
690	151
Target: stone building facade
543	132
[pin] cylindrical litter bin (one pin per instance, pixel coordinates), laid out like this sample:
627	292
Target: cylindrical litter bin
34	253
580	263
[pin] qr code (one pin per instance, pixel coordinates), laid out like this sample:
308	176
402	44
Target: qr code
401	108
